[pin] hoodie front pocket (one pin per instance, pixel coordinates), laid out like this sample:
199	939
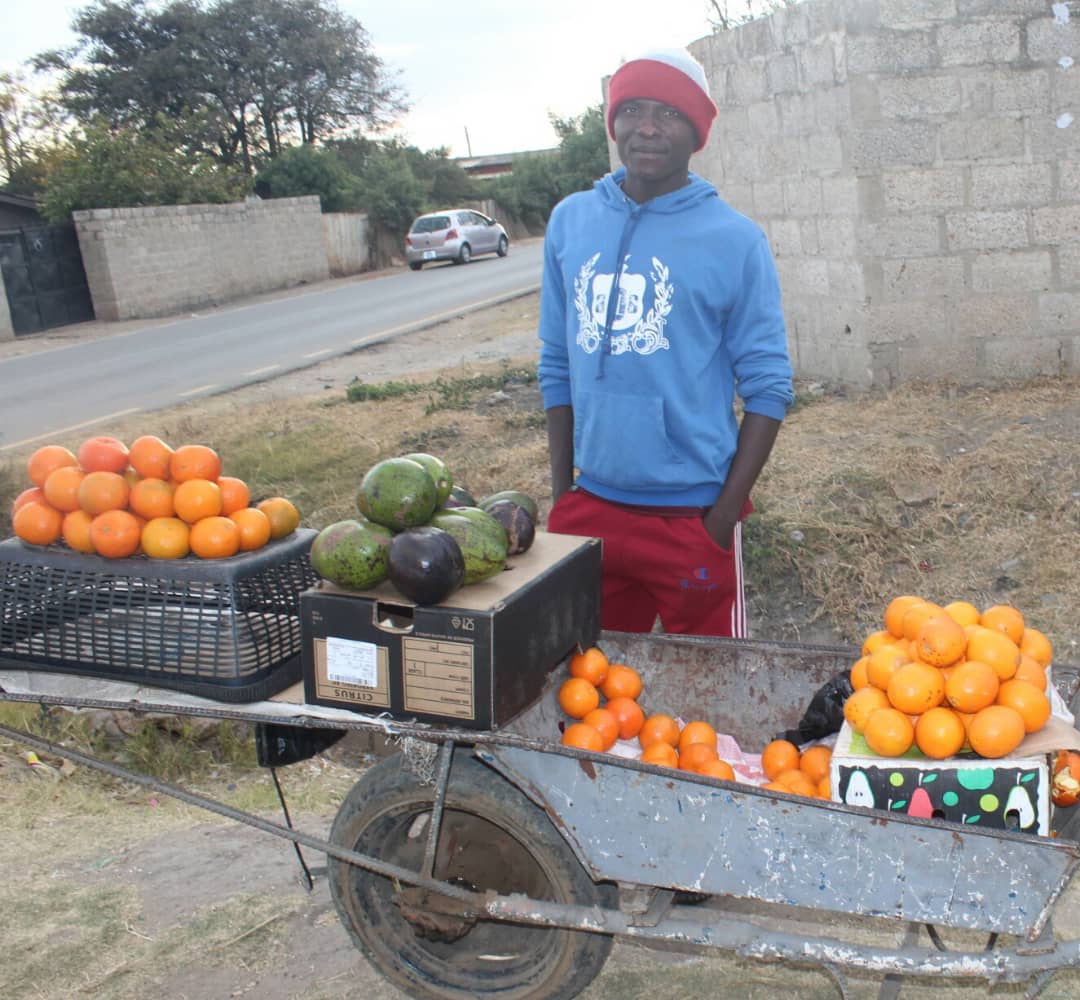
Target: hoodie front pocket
623	441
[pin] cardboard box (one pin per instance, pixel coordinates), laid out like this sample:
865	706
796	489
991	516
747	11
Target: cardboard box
476	660
1010	793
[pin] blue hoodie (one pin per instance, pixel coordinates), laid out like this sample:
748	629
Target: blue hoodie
652	372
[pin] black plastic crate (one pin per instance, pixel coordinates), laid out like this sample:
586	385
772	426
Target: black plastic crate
221	628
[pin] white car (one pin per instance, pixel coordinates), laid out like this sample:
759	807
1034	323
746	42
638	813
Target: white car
456	234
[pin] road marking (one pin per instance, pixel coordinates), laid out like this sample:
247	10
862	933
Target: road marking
68	430
428	321
263	371
195	392
318	354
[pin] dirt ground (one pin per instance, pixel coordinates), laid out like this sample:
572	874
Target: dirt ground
140	897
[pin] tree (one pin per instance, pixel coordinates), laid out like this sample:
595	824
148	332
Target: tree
252	73
30	131
303	170
112	168
583	148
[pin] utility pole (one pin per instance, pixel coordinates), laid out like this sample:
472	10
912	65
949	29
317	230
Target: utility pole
468	145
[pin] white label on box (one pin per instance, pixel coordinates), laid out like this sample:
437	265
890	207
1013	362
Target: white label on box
352	662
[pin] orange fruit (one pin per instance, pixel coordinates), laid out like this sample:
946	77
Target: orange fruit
628	714
814	762
889	732
1028	700
27	495
939	733
917	614
582	736
37	523
577	697
214	537
115	533
100	491
61	487
194	461
779	756
995	648
858	676
75	530
103	454
659	727
150	457
895	611
797	783
941	640
605	723
283	515
883	663
693	755
254	528
1035	644
46	459
859	705
166	538
717	768
963	613
697	732
824	788
661	754
1004	618
995	731
621	682
1032	671
591	665
195	499
234	494
152	498
916	688
875	640
972	685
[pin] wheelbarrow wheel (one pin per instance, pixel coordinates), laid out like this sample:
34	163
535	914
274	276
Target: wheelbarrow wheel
491	837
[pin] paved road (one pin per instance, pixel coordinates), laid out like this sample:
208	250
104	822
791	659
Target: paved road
48	393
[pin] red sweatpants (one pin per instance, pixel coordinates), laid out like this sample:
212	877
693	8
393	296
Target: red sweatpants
658	565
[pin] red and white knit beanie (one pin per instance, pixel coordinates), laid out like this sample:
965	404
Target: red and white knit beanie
669	75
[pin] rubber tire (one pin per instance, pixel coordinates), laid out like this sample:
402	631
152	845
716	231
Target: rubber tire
415	265
504	246
464	254
383	817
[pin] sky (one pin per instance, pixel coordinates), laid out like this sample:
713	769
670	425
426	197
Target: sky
482	77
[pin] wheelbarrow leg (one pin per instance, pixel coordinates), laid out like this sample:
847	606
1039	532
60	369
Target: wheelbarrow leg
890	985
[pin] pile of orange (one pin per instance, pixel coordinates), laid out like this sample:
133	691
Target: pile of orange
796	772
944	677
602	698
116	501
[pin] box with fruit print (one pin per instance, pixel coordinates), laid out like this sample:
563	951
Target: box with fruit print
1009	793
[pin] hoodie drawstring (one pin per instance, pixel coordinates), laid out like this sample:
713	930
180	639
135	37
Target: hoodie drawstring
622	259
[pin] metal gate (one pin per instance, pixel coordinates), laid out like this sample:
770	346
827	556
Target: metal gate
42	271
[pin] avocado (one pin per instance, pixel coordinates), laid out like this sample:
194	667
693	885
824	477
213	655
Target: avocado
519	526
521	499
459	497
398	493
481	538
351	555
426	564
438	471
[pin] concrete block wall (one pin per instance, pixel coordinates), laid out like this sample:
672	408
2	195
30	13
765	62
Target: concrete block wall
916	166
143	262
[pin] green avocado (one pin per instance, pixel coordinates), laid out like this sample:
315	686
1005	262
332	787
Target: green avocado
398	493
351	554
481	538
437	469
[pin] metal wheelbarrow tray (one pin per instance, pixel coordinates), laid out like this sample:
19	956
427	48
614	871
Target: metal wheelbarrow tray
457	883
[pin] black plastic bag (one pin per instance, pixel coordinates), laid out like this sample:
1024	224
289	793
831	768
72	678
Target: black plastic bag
825	714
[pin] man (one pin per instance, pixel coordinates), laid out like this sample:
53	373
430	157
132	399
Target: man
659	302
